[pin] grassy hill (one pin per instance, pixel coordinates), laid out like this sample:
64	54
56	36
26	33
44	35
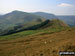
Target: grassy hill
47	42
16	18
68	19
34	42
30	35
46	24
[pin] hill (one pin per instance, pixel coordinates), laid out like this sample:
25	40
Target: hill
0	16
35	36
43	25
45	15
43	43
70	20
17	18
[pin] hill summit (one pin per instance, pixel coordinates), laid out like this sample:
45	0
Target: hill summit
46	15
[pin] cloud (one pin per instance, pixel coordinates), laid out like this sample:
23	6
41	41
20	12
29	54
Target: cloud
65	5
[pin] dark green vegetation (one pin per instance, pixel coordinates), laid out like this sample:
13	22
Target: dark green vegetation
48	25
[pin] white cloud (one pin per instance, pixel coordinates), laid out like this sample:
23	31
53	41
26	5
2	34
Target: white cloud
65	5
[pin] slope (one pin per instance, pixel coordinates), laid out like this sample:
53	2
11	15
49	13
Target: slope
45	15
43	25
16	18
39	45
70	20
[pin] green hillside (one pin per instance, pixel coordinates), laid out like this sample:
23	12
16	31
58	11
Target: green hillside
16	18
47	41
37	38
48	26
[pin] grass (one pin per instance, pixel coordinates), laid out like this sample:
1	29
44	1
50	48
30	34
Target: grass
51	27
35	44
41	42
31	32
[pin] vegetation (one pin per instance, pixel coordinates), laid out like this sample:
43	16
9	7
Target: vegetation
33	35
16	18
44	42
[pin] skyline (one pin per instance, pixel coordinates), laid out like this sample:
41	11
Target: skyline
57	7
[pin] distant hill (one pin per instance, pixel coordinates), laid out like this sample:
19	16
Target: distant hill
0	15
16	18
56	23
70	20
17	21
46	15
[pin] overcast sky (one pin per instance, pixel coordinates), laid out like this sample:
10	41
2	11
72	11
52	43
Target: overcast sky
58	7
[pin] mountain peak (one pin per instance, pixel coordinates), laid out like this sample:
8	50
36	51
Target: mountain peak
45	15
15	11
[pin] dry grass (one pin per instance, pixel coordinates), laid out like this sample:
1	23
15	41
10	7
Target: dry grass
39	45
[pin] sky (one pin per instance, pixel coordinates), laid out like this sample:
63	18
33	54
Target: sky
57	7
